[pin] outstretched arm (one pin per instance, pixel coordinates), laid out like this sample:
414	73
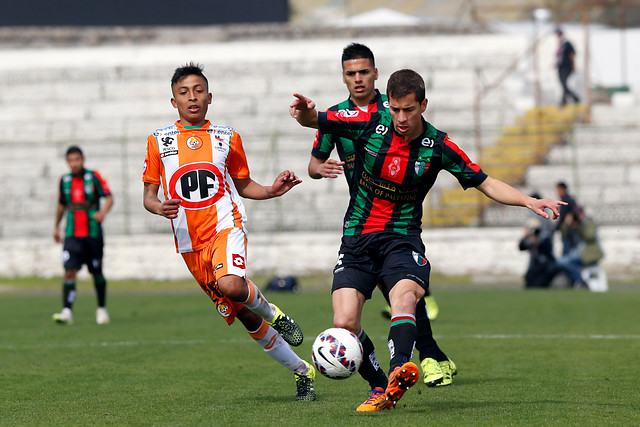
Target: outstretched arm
304	111
319	168
167	209
507	195
250	189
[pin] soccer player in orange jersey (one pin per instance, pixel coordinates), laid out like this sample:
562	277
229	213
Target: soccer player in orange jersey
204	173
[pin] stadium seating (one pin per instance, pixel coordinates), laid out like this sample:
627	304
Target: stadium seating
107	99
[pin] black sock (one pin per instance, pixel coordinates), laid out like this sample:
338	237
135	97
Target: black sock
425	343
101	290
402	339
370	369
68	294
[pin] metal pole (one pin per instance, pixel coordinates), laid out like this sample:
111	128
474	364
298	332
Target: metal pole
587	77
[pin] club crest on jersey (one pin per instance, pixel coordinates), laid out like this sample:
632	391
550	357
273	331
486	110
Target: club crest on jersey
238	261
394	167
198	185
422	166
223	309
348	113
194	142
419	259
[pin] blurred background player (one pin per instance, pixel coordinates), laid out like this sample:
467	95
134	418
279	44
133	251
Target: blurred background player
80	192
359	74
204	173
398	158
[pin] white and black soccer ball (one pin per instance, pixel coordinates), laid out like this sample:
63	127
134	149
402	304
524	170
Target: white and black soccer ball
337	353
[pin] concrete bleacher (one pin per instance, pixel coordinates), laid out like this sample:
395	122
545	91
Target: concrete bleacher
108	99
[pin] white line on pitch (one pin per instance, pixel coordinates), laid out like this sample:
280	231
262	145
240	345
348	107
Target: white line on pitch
241	341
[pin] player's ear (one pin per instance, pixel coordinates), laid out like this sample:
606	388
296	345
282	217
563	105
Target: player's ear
210	96
423	104
174	103
375	71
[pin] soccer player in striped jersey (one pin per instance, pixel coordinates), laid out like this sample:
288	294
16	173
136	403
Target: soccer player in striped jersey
359	74
203	170
398	157
79	196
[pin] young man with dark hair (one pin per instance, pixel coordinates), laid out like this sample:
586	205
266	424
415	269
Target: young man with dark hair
398	158
79	195
204	173
359	75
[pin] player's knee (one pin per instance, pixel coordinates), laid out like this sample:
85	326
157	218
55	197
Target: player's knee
349	323
233	287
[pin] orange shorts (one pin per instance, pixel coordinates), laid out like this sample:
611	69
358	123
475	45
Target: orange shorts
225	255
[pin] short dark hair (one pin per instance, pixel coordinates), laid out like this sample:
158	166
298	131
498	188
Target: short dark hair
188	70
404	82
562	185
73	150
357	51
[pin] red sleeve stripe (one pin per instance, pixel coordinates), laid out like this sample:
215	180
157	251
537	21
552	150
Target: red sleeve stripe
449	143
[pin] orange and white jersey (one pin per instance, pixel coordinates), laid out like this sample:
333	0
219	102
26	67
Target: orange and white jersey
195	165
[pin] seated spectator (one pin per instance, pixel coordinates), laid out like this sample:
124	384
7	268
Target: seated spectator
542	264
582	234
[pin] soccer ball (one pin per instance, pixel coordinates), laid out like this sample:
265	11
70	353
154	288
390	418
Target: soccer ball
337	353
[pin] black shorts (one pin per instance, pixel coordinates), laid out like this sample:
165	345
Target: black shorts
380	258
83	250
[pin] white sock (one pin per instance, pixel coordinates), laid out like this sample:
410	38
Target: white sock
257	303
276	347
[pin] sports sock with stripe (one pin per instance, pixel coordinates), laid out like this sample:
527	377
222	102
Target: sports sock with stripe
402	339
425	343
276	347
257	303
370	368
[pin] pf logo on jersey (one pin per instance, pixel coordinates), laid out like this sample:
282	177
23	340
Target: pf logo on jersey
238	261
198	185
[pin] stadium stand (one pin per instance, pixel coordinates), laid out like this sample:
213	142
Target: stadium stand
107	99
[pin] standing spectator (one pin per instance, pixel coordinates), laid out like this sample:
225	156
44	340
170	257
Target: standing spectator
79	195
565	62
563	194
585	249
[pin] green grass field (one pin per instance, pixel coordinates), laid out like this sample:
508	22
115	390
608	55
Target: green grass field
525	358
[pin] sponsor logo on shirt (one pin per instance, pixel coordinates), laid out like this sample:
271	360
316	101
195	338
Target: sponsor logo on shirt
169	152
394	167
198	185
238	261
348	113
